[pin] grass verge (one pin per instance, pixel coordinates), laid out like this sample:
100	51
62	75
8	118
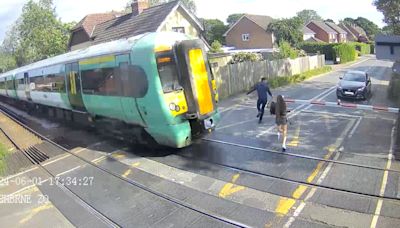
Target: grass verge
287	80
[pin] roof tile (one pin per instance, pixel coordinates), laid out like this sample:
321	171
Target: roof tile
129	25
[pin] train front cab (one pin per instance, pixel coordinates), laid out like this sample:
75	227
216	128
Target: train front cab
188	88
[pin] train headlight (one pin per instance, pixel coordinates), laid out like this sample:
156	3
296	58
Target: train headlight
173	107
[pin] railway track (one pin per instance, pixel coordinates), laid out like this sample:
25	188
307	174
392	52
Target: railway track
288	180
36	156
303	156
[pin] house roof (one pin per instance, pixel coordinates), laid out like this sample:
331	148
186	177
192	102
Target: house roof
349	32
307	30
336	27
323	26
313	39
91	20
150	20
360	30
260	20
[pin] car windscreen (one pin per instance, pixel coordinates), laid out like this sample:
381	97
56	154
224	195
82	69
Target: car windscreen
356	77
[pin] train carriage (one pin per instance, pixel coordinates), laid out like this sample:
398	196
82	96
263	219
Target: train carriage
159	83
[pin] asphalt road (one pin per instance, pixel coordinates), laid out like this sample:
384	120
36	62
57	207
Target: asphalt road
337	170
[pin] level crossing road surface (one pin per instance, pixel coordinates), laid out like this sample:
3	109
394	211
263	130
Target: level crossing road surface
338	170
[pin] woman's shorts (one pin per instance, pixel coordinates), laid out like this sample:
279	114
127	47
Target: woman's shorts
281	121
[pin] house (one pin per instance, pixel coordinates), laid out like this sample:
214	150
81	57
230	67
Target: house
323	31
82	32
350	35
341	34
308	33
171	16
250	32
358	32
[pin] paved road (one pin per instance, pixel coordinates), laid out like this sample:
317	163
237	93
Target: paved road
337	170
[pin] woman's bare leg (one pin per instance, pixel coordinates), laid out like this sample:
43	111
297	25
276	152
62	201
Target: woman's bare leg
284	134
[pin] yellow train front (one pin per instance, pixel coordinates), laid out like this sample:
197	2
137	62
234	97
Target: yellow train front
191	95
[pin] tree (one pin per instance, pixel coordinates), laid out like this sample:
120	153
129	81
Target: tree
308	15
37	34
391	13
214	30
289	30
329	20
233	18
216	47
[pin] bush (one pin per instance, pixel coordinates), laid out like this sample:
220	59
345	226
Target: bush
363	48
287	80
286	51
319	48
216	47
245	56
346	52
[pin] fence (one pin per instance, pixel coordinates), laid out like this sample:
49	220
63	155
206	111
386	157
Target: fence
235	78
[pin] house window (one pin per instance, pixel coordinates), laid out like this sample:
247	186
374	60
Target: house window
178	29
246	37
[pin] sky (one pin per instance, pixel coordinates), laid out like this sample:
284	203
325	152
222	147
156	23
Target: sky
75	10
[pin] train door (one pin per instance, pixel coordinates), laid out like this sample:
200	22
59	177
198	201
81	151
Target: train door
128	102
74	87
27	86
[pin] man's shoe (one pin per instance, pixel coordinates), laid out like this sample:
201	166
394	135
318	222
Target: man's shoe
283	149
258	115
259	121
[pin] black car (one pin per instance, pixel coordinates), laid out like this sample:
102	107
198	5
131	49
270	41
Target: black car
354	84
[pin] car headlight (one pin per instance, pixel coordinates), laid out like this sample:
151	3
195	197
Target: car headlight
339	88
361	89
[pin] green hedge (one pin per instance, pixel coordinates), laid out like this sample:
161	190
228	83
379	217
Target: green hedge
322	48
287	80
346	52
363	48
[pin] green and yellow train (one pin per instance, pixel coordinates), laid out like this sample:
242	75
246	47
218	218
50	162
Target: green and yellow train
156	83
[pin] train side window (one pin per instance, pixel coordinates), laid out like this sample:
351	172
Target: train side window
55	82
134	80
10	84
21	84
39	83
101	81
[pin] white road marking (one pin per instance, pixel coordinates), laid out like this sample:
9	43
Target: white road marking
320	179
22	189
298	110
16	175
384	180
355	127
56	160
68	171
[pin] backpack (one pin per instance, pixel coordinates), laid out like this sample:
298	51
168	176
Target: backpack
272	108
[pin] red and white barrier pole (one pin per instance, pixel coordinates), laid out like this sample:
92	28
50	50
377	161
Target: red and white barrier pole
344	105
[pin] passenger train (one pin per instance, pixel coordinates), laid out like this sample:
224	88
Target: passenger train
158	84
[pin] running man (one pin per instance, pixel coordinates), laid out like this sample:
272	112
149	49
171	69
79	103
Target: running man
262	91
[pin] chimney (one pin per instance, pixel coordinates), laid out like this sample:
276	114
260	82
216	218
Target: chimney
138	6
